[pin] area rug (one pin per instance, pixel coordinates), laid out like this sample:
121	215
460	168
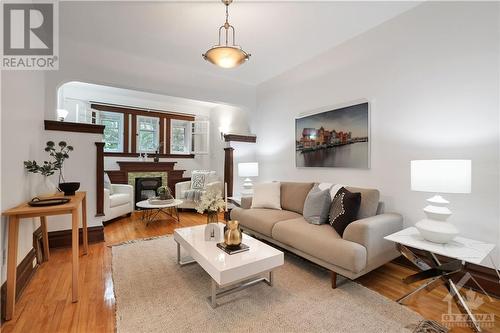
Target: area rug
154	294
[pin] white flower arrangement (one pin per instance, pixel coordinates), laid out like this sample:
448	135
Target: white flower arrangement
211	201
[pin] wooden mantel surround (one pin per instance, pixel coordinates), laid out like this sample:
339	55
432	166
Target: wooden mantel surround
121	176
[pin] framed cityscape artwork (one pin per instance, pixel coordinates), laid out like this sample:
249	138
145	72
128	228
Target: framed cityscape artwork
335	138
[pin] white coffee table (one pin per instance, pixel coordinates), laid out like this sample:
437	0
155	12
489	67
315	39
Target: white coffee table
150	211
462	250
229	273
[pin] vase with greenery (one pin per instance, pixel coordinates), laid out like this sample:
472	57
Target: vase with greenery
164	193
58	154
212	203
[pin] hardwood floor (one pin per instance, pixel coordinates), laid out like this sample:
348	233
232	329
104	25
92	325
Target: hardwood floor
45	305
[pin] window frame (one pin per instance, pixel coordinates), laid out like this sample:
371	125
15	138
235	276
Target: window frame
121	133
156	133
130	128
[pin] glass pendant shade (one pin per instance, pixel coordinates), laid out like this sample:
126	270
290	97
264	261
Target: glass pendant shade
226	56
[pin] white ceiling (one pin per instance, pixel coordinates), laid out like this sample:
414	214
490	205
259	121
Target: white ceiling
279	35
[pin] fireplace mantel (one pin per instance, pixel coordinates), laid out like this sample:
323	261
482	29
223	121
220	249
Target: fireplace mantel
146	166
121	176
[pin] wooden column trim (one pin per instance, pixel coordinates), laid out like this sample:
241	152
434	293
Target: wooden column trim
161	138
99	179
126	133
228	170
168	128
133	134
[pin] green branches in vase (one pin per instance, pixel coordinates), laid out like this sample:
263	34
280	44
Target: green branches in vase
57	155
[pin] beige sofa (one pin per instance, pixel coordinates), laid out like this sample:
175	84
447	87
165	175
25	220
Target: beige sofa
361	249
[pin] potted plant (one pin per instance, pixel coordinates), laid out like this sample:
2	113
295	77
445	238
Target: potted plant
58	155
164	193
211	202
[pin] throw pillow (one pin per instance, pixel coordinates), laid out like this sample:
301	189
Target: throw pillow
344	209
267	195
107	183
334	188
198	180
317	205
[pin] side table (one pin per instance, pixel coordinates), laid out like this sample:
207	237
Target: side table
26	211
462	250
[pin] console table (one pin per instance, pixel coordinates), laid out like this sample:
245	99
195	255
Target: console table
463	250
26	211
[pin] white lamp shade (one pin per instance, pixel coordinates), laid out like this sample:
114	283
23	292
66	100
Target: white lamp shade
248	169
441	176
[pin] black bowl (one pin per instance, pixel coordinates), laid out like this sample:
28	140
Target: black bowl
69	188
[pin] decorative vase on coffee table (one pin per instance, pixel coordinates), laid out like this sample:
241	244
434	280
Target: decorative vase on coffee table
212	217
232	236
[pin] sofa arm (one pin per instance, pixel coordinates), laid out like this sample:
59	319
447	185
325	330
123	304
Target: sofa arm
246	202
180	188
123	188
370	233
106	201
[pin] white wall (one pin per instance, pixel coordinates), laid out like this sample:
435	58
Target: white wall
21	136
431	76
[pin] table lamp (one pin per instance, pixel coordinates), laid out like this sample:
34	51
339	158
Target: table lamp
247	170
439	176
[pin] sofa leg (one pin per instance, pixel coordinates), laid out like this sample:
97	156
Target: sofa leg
129	214
334	280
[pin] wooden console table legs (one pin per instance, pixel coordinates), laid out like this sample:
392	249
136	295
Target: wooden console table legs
12	266
25	211
45	237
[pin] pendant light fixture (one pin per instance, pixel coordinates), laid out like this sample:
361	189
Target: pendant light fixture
226	55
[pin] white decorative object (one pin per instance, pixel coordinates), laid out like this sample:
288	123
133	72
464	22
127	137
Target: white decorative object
439	176
247	170
212	232
62	114
45	187
267	195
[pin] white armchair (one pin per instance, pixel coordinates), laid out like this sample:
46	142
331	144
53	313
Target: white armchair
182	187
119	203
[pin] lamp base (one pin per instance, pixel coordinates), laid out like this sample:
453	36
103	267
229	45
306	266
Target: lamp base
436	231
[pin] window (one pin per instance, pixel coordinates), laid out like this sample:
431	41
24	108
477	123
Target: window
113	130
148	129
180	137
189	137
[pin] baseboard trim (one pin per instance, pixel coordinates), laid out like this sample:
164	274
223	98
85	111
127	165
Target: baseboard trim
62	238
25	272
485	276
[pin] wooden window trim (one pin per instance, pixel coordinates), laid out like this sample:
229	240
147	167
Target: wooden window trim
113	154
165	119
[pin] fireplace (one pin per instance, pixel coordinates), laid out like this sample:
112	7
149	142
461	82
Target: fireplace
145	187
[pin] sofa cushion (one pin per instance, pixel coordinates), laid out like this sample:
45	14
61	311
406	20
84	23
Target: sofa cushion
369	201
322	242
293	195
119	199
261	220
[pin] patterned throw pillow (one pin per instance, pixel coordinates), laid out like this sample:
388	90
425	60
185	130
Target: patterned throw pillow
344	209
198	180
